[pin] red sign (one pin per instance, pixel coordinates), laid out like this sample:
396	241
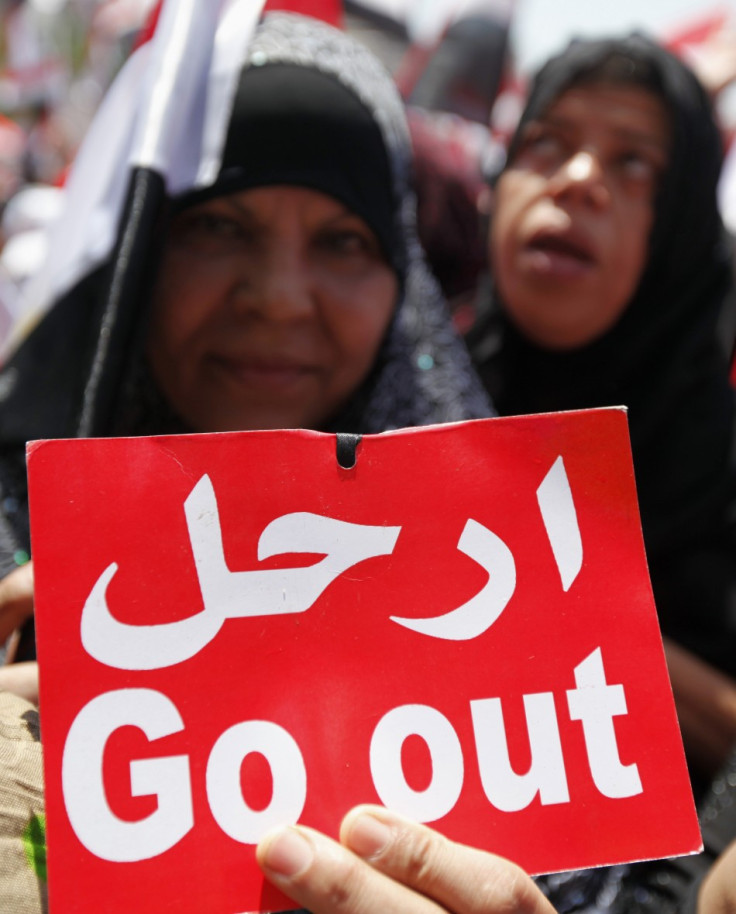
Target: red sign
235	631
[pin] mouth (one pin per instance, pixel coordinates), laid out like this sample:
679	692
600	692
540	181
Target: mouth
268	374
563	256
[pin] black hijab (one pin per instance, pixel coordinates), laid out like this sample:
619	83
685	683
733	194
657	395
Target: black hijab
666	359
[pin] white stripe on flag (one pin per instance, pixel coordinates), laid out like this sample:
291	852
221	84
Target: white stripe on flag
233	37
170	118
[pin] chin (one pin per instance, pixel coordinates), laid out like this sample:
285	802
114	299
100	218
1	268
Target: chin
252	421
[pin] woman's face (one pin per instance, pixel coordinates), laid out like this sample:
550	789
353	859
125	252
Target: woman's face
269	310
574	210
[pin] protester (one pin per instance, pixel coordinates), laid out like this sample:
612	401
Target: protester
613	285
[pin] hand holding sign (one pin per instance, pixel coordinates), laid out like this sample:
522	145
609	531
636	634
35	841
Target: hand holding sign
387	865
16	599
459	626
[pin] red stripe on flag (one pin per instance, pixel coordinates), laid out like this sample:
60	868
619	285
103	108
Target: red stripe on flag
327	10
697	31
146	33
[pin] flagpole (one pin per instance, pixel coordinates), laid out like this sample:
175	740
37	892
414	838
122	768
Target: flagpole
181	56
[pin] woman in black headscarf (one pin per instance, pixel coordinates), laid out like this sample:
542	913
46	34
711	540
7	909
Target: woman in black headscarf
612	285
283	160
154	301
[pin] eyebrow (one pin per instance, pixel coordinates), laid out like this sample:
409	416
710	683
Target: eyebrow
242	208
245	211
633	134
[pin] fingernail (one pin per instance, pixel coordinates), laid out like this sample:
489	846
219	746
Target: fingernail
368	836
288	853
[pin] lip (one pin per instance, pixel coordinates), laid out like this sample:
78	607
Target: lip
559	254
274	373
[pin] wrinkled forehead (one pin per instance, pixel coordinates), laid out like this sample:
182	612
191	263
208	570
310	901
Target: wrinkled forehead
594	64
625	112
636	62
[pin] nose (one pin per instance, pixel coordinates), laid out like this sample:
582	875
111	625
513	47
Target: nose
278	287
582	177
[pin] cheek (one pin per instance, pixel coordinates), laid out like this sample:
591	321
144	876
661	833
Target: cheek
502	258
358	325
498	252
182	307
512	196
627	268
182	304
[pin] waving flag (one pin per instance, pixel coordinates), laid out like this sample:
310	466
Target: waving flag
157	131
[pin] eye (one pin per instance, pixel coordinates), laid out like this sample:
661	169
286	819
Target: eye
639	167
540	144
209	231
347	242
208	223
219	225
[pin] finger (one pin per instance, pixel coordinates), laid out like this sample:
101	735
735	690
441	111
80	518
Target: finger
16	599
462	879
718	892
17	585
326	878
21	679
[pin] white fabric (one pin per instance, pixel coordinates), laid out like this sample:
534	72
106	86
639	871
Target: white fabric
233	36
152	117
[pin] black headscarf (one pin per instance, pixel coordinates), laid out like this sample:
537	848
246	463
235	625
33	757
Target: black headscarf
294	125
666	358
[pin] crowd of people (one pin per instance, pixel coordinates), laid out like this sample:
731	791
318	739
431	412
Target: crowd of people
286	287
